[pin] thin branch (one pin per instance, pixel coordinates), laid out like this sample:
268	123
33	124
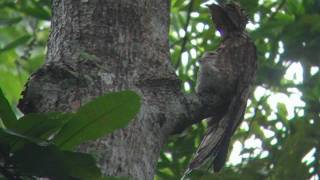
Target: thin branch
186	36
263	98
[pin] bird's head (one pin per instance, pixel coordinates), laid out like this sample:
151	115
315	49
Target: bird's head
228	18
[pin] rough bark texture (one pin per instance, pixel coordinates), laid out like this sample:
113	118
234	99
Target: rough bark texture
100	46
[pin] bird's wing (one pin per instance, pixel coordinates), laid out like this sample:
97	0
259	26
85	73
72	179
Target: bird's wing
214	145
217	136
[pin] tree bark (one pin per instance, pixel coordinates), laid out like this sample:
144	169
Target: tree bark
100	46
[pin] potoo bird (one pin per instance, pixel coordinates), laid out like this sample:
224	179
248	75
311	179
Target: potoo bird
224	84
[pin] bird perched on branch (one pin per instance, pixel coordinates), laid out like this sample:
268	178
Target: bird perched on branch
224	84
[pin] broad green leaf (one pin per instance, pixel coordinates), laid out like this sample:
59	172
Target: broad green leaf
99	117
40	125
9	139
9	21
10	82
37	13
49	161
33	63
178	3
6	114
45	13
17	42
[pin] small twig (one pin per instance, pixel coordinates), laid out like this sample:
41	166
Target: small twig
255	114
185	38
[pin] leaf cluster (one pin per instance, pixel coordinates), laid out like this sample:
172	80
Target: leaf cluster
42	144
279	137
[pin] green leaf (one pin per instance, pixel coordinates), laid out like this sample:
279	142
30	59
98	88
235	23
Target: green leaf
19	41
9	139
9	21
282	110
49	161
99	117
36	10
6	114
5	4
41	125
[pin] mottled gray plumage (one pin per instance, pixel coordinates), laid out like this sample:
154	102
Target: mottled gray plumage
224	84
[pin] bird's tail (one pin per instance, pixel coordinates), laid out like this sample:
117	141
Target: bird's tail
214	145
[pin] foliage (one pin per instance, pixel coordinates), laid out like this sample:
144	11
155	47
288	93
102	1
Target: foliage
283	116
279	138
24	29
40	144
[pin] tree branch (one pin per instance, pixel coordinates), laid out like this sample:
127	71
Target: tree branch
195	112
185	38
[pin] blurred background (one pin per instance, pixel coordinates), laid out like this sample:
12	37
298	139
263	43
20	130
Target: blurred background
280	137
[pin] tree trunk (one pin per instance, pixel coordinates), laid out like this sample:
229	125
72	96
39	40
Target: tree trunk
100	46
